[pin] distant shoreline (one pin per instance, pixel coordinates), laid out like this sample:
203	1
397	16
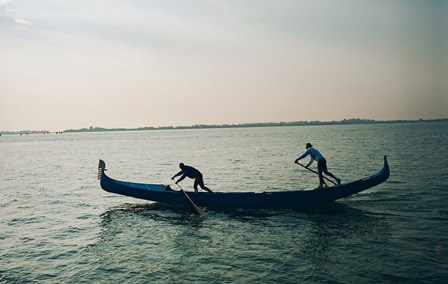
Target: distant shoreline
352	121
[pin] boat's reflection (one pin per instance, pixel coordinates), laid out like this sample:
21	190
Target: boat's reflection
150	211
335	219
313	238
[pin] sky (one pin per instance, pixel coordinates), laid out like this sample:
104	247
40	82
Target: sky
69	64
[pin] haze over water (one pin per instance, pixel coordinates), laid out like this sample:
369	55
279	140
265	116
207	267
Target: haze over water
58	226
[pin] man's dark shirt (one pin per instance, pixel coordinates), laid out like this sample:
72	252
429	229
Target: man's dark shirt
188	171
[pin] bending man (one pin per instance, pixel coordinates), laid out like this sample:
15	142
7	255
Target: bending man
321	163
189	171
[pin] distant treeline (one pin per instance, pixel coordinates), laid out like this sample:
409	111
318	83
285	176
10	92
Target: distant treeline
261	124
241	125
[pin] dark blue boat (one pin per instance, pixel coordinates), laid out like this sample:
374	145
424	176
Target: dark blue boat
274	199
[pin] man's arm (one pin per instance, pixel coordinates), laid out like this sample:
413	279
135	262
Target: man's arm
309	163
178	174
181	178
306	153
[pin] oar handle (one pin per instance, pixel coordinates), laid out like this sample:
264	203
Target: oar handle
311	170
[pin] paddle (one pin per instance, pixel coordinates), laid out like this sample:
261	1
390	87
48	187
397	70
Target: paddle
311	170
198	210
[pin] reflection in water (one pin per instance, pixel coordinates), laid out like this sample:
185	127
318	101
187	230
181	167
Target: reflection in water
137	220
247	244
154	211
142	240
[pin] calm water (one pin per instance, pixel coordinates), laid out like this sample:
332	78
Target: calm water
58	226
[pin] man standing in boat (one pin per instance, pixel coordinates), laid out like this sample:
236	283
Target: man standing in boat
189	171
321	163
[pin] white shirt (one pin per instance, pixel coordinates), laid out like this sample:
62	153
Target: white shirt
314	154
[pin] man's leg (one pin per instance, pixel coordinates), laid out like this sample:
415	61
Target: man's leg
196	182
200	181
325	170
321	176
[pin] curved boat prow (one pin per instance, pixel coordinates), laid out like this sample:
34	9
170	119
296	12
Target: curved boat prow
386	169
101	168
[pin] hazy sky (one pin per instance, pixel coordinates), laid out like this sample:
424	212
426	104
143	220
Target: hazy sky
73	64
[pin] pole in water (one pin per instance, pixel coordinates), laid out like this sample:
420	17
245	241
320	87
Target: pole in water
198	210
318	174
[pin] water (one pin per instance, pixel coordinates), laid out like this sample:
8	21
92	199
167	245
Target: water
58	226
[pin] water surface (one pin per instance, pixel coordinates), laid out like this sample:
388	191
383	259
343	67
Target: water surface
58	226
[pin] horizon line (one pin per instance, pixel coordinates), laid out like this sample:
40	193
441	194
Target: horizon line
239	125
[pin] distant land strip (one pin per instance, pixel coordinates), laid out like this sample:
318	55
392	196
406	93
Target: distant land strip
241	125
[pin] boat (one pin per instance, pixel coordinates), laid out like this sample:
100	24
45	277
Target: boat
288	199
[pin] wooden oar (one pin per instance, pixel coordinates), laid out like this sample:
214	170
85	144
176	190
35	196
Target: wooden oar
311	170
198	210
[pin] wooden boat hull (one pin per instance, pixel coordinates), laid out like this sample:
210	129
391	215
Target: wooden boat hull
274	199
